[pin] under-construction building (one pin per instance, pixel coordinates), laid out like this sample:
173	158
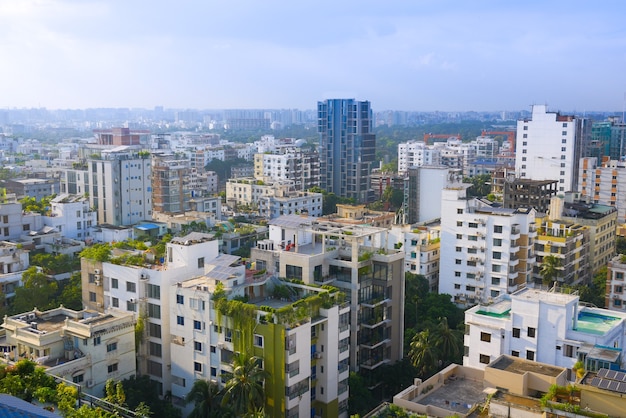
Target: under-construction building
526	193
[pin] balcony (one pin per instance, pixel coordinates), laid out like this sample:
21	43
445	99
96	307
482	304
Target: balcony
374	322
373	363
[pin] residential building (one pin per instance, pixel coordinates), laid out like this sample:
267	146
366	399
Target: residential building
601	220
569	243
72	216
121	191
416	154
421	246
14	260
121	136
361	215
33	187
608	139
294	164
347	148
299	333
528	193
381	181
486	250
84	347
615	299
422	192
14	222
604	183
550	327
142	288
550	145
350	258
170	184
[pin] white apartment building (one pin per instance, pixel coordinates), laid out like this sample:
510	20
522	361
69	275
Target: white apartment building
422	192
486	147
121	192
14	222
306	354
549	147
72	216
13	262
300	167
144	291
545	326
615	299
485	251
85	347
416	154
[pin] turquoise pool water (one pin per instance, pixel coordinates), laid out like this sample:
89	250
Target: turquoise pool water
594	323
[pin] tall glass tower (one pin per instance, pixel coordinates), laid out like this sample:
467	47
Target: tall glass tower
347	148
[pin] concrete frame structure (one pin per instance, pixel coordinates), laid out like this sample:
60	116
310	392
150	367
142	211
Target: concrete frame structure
536	194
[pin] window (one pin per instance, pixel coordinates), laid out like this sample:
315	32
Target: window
213	371
472	225
497	242
111	368
180	299
457	274
515	353
111	347
92	296
79	378
456	285
457	261
200	262
197	346
497	255
458	249
459	211
459	223
516	332
154	291
154	330
197	325
114	283
459	236
258	340
197	367
485	336
96	341
530	355
155	349
115	302
497	229
131	306
531	332
131	287
154	311
180	320
484	359
213	349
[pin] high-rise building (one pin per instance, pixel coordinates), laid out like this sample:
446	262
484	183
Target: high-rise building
170	177
550	145
347	148
121	136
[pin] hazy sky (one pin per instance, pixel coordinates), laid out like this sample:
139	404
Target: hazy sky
406	55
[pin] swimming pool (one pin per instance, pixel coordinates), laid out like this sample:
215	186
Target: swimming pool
594	323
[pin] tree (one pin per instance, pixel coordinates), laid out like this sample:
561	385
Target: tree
244	389
37	291
207	400
549	268
97	252
448	342
71	293
481	185
423	353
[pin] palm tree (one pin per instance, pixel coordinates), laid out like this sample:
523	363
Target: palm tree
206	397
423	353
244	391
447	341
550	268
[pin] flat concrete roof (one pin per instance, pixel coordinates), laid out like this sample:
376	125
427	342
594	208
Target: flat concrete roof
520	366
458	395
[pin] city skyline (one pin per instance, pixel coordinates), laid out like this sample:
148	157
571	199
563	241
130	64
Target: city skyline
414	56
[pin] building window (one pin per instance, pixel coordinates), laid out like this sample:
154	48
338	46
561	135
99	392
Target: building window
459	223
497	242
111	347
497	255
154	311
154	330
92	296
458	249
115	302
96	341
111	368
484	359
530	355
180	299
197	325
459	211
131	306
516	332
258	340
180	320
197	346
459	236
213	349
154	291
114	283
531	332
485	336
515	353
200	262
156	349
131	287
197	367
78	378
497	229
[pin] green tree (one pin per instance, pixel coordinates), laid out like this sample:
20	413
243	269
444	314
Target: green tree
360	399
481	185
71	293
423	353
38	291
207	399
448	342
97	252
549	268
244	388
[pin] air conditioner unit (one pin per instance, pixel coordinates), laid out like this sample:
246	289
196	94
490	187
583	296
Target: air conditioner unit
144	276
96	271
220	345
98	282
131	300
31	316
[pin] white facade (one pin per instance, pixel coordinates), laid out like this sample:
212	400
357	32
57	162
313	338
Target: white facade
85	347
549	147
544	326
72	217
13	262
485	251
122	192
615	288
425	186
421	246
604	184
416	154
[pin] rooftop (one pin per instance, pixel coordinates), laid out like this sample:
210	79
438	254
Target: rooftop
553	296
520	366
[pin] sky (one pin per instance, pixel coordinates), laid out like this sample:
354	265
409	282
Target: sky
414	55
